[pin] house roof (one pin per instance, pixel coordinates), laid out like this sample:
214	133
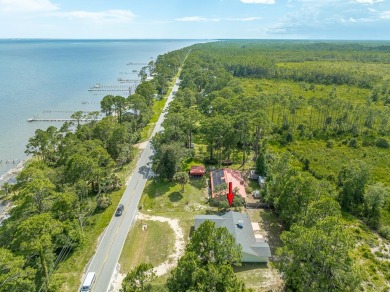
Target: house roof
240	227
217	178
197	170
224	176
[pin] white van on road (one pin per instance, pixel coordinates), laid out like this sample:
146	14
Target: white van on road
88	282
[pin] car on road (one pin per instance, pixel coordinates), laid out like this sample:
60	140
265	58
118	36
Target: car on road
88	282
119	210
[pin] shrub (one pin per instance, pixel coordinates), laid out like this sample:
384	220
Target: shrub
210	161
103	202
382	143
331	177
366	142
353	143
289	137
306	164
223	204
238	201
384	231
213	202
329	144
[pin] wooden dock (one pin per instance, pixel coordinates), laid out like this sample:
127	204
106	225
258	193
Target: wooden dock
60	120
110	90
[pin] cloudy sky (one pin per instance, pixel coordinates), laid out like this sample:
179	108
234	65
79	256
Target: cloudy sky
196	19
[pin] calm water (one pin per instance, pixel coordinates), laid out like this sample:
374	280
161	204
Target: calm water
49	78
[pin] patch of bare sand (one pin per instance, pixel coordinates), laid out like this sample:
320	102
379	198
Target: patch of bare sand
273	281
141	145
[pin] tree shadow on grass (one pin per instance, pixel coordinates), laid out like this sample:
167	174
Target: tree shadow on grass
157	188
198	183
175	197
273	228
250	266
215	211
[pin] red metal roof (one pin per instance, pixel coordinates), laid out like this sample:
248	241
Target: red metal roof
197	170
225	176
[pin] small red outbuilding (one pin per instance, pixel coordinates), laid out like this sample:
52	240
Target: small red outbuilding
198	170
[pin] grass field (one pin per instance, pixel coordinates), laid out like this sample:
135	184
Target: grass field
326	161
273	86
355	68
152	245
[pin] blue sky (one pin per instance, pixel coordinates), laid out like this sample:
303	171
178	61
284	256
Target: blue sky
196	19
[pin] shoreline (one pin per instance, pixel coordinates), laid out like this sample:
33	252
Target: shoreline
10	175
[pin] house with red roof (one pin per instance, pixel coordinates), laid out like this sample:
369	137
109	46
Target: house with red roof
223	177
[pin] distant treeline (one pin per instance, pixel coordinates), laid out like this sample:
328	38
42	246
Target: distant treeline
263	58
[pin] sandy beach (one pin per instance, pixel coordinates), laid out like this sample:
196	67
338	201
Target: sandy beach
10	176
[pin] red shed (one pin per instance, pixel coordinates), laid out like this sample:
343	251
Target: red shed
198	170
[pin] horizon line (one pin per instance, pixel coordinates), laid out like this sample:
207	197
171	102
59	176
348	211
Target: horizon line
191	39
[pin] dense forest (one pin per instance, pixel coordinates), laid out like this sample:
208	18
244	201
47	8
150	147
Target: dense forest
313	118
73	174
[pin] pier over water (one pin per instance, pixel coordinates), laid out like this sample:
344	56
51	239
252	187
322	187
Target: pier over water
60	120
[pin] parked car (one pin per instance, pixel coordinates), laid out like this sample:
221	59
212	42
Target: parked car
119	210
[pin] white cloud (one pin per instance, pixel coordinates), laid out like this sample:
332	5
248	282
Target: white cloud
197	19
27	6
118	16
369	1
192	19
258	1
385	14
322	15
275	29
244	19
204	19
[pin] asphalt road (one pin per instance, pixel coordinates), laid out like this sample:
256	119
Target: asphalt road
110	247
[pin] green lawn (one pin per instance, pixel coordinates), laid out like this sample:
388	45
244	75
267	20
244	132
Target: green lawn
166	198
152	245
259	277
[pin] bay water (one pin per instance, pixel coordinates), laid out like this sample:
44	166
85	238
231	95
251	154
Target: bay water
49	79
